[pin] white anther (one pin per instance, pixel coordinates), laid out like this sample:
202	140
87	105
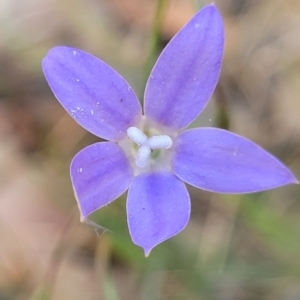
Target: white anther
137	135
142	156
146	145
160	142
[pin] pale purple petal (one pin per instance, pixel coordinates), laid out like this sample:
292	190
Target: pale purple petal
100	173
158	207
220	161
186	73
95	95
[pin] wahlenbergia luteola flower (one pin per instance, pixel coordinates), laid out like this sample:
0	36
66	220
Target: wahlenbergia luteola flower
151	154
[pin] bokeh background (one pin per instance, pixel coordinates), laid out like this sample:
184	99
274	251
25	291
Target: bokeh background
235	247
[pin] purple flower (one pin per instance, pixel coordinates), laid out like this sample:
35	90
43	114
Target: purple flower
150	154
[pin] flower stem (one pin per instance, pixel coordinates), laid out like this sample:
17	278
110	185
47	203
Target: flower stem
223	120
155	36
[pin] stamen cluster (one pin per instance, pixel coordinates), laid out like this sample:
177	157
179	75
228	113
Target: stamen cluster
147	144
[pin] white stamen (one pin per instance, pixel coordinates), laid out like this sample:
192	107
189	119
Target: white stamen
160	142
142	156
146	145
137	135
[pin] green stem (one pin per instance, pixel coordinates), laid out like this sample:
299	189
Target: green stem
155	37
223	120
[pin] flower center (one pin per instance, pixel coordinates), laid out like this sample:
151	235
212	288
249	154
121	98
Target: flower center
146	145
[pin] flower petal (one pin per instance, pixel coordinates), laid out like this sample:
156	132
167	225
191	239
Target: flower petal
186	73
220	161
95	95
100	173
158	207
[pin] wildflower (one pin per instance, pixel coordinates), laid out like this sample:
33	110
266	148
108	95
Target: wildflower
150	154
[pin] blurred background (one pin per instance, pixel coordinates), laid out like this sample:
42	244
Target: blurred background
235	247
